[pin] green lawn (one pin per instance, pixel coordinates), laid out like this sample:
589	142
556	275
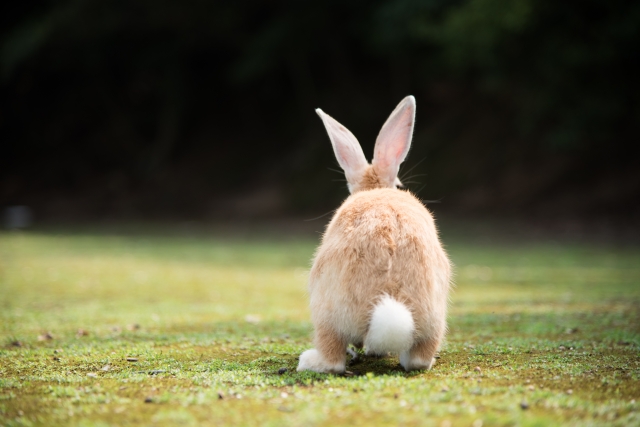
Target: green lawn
205	329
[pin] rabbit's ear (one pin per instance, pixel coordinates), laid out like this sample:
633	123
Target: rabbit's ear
346	147
394	140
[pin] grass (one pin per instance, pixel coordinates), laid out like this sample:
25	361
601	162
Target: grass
163	329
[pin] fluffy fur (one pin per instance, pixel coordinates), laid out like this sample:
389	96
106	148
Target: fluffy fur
380	276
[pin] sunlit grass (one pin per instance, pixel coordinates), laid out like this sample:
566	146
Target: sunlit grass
540	334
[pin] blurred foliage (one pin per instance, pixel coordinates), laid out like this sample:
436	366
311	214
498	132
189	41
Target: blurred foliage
170	107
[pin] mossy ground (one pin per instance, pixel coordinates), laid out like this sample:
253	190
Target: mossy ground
165	329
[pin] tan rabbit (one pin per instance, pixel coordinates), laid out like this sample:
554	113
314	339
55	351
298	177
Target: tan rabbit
380	277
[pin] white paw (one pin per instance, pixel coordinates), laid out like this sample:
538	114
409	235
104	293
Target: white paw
412	363
312	360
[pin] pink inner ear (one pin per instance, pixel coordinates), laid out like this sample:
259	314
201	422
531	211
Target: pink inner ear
346	147
394	139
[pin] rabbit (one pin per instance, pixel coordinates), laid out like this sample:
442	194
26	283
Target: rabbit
380	277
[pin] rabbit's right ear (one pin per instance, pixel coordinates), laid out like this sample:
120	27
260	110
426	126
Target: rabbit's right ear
347	149
394	140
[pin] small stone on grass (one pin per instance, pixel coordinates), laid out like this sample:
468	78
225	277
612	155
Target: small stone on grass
45	337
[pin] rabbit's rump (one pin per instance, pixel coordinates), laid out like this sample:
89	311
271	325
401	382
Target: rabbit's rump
380	242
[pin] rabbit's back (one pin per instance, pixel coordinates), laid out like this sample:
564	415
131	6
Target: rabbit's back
381	241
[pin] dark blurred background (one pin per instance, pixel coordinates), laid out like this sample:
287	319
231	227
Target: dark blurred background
202	110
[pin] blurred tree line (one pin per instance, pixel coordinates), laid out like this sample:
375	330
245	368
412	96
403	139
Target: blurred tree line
200	108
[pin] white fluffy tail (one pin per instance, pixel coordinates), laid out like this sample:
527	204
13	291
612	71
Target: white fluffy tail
391	328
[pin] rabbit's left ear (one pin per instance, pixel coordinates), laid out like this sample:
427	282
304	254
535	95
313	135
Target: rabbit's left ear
346	148
394	140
